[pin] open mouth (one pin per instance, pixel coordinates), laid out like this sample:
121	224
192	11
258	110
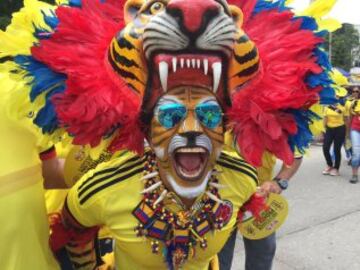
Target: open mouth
189	69
190	163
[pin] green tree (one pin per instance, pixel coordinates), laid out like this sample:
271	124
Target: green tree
7	7
344	43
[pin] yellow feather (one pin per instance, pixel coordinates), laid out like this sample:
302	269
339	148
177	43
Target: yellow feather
330	25
62	2
18	37
318	10
339	81
317	127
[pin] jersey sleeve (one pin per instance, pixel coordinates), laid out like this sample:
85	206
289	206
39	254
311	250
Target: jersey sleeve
238	175
88	200
88	212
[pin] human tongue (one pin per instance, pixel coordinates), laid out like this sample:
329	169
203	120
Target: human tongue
189	161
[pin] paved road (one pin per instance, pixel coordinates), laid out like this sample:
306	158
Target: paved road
323	228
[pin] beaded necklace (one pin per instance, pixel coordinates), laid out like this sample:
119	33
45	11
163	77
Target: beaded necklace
180	232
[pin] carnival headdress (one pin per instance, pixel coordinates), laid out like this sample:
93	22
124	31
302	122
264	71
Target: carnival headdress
63	55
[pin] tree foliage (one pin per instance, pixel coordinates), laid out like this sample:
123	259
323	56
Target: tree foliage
7	7
344	45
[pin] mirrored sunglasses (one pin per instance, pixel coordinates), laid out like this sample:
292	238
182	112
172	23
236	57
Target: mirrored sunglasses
209	114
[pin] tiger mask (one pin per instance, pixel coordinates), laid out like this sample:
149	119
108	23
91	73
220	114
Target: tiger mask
170	43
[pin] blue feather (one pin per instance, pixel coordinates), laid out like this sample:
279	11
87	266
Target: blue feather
322	33
52	21
44	80
327	96
303	137
75	3
322	58
321	79
264	5
308	23
46	117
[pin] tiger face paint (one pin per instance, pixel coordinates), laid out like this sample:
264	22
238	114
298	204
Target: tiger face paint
187	136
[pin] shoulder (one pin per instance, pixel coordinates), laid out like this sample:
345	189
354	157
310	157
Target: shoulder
239	177
114	174
340	107
231	163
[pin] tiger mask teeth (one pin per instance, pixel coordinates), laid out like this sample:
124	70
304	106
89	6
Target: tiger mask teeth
176	64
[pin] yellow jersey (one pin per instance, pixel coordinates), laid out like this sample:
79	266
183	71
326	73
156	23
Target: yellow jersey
24	226
335	115
109	194
265	172
348	104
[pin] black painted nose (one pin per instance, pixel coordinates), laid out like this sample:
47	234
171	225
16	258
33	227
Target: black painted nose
191	137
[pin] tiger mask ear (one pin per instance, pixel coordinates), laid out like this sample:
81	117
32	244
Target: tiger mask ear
131	9
237	15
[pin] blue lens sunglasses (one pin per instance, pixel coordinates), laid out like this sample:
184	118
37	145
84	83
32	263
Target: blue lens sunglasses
208	113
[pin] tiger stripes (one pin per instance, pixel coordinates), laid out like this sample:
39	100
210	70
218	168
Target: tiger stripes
109	177
126	52
125	58
82	256
160	135
238	164
245	62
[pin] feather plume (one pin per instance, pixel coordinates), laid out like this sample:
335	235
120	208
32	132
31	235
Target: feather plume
291	79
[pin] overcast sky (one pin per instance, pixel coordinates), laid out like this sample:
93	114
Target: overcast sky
346	11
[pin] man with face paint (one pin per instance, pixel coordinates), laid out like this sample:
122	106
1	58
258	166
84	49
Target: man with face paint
181	189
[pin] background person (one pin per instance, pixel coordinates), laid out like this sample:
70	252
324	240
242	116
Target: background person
335	118
355	134
23	174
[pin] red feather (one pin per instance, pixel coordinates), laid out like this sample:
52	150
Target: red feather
96	101
258	115
61	236
256	204
246	6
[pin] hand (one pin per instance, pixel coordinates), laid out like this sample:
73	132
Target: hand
269	187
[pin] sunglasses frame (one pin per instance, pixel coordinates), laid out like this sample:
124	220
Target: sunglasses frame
158	116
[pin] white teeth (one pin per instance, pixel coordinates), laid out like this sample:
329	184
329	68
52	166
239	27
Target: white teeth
191	150
206	66
174	64
188	174
217	75
189	63
164	72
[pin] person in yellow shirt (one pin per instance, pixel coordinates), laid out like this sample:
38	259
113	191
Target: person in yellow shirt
354	132
335	119
175	197
24	225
